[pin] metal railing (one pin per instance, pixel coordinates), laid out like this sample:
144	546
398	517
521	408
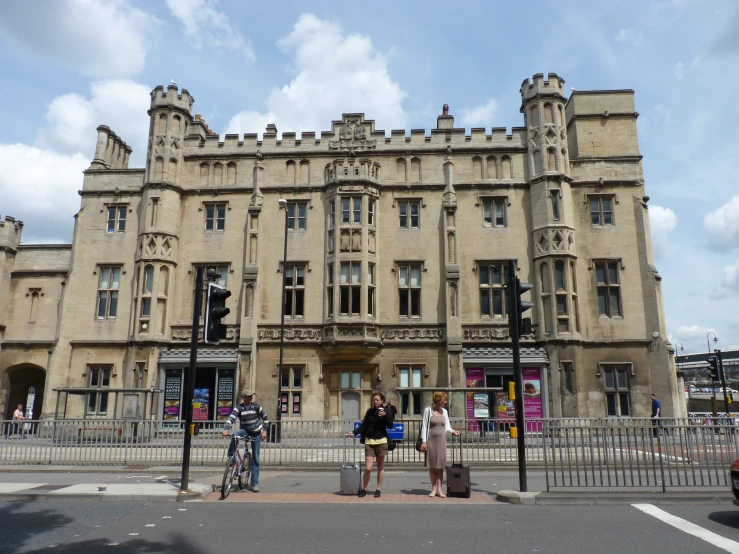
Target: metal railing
303	443
639	453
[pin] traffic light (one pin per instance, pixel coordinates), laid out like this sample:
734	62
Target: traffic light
713	367
215	311
524	323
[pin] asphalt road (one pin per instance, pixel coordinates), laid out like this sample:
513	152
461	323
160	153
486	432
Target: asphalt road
195	527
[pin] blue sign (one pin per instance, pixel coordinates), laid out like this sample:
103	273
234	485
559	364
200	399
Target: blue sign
396	433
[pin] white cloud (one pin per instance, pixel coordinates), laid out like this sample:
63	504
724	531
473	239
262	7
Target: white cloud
679	70
729	283
629	36
206	26
694	338
335	73
99	38
479	116
119	104
722	226
39	187
662	221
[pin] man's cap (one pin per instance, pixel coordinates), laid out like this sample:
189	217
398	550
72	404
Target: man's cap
247	392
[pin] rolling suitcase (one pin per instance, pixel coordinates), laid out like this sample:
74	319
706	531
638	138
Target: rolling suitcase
350	478
458	476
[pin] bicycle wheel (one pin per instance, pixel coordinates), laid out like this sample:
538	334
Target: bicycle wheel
228	476
245	476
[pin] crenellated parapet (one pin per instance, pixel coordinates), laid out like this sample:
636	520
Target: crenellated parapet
537	87
171	99
10	233
351	169
110	150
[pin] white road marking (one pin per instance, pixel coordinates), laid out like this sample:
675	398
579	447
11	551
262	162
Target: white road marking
690	528
133	534
166	517
181	509
151	525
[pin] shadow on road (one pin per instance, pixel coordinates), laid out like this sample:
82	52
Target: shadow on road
19	525
137	546
728	518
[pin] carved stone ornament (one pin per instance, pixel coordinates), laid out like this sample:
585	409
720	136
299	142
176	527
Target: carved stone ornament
181	334
413	334
485	333
352	135
299	334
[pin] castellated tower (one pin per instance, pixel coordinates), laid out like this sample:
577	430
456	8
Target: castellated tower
10	238
158	230
553	230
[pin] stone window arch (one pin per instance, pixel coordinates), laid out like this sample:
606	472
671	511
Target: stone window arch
217	174
231	173
492	168
416	170
477	167
176	125
162	124
290	174
401	169
305	172
534	115
548	114
551	159
506	168
204	174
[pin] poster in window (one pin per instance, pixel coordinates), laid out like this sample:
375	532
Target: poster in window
475	378
296	404
200	404
480	405
505	408
226	379
532	409
283	404
172	390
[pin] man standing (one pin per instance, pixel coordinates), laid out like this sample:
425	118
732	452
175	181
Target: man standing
656	414
252	422
391	410
18	418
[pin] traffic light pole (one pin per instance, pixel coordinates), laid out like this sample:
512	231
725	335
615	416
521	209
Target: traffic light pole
513	320
723	380
190	380
278	417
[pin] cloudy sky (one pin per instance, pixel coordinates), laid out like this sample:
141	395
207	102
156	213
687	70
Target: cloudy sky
70	65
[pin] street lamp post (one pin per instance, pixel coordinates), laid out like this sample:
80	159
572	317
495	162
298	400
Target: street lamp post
278	418
708	342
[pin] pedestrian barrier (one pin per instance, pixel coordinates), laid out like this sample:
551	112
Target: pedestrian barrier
639	453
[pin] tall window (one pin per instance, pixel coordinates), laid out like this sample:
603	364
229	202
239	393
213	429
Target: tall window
411	403
371	212
215	217
560	291
350	288
371	290
116	219
332	213
555	205
601	210
616	380
568	377
609	288
493	212
492	294
410	214
409	290
330	291
291	387
148	288
294	290
97	402
154	212
351	210
108	284
296	215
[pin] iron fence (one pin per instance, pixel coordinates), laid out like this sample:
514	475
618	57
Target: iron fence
639	453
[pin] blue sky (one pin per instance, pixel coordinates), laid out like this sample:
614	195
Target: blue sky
70	65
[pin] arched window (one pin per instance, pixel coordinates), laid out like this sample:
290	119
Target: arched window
162	299
401	170
290	172
534	113
492	168
477	167
506	170
564	160
176	125
231	173
305	172
548	113
204	170
217	174
162	129
158	169
561	116
546	297
416	170
35	295
148	288
551	159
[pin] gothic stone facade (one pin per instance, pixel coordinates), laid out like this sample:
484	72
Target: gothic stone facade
395	245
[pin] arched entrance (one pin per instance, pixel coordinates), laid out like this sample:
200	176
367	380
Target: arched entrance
22	378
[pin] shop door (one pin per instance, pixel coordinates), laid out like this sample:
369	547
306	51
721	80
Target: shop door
204	394
349	409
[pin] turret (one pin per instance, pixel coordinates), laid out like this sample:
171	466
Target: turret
10	238
10	234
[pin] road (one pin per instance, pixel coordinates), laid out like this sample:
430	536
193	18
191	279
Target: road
200	527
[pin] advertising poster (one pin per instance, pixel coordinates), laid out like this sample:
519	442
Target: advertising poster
283	404
296	404
532	397
505	408
480	403
475	377
225	393
200	404
172	389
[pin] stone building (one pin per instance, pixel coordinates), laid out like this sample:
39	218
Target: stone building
396	246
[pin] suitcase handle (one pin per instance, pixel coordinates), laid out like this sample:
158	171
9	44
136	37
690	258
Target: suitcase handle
461	460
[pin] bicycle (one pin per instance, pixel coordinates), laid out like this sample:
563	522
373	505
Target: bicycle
238	467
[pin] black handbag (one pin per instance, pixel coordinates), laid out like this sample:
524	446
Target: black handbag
391	444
